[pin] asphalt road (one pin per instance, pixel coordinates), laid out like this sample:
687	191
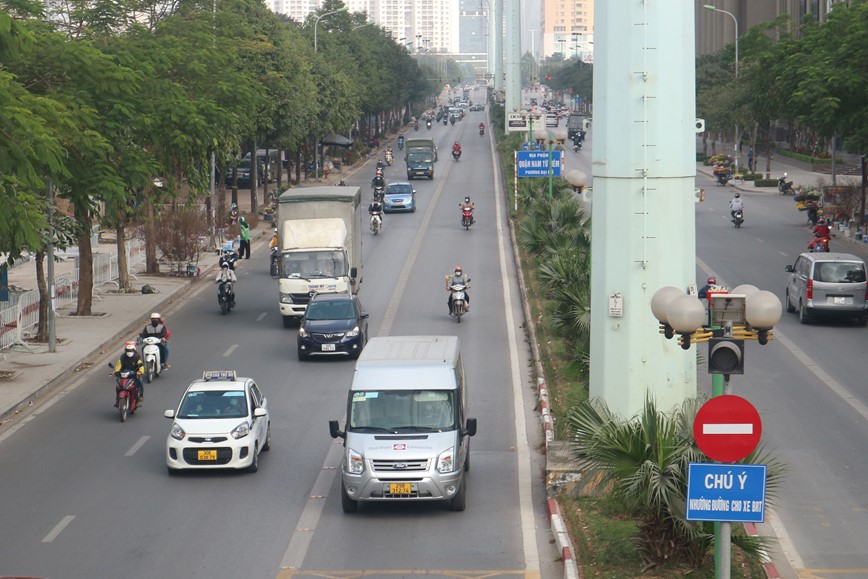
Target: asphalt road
808	384
86	496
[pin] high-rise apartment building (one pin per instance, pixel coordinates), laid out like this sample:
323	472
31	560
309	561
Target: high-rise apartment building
567	28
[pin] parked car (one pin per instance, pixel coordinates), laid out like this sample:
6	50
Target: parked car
477	107
828	285
222	421
399	196
333	325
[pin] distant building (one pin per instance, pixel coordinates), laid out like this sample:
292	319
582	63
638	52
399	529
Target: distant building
567	28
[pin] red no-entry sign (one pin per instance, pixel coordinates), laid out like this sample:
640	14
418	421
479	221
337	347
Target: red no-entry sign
727	428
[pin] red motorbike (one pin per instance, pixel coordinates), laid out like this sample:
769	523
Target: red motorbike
820	244
466	217
126	392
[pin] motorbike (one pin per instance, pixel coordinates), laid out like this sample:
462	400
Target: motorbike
151	357
229	257
456	154
481	132
225	297
577	145
376	223
428	125
379	193
126	392
452	121
274	261
722	175
466	217
400	144
738	218
389	158
820	244
446	121
459	304
415	126
785	187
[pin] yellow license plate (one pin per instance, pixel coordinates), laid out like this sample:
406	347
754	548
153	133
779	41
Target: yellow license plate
207	455
400	488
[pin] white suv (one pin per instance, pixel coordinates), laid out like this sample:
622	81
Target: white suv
222	421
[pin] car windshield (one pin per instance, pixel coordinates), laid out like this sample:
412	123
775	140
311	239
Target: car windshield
398	189
330	310
419	157
839	272
313	264
403	410
213	404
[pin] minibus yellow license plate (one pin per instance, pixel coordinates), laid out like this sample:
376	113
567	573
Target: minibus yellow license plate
207	454
400	488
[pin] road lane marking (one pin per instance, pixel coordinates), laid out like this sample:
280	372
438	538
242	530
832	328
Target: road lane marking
141	442
229	351
523	458
727	428
261	316
58	528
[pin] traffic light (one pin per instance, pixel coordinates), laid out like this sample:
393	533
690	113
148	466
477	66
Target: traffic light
725	356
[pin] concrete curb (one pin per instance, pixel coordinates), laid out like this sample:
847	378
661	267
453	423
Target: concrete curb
770	570
572	569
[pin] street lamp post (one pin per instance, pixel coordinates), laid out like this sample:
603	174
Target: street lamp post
315	47
746	313
735	22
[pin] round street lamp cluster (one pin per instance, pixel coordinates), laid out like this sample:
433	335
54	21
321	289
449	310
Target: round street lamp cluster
746	313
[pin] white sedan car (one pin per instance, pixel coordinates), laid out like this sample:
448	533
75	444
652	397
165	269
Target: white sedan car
222	421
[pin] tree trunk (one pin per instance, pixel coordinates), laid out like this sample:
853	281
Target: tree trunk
254	179
44	298
84	306
123	266
152	265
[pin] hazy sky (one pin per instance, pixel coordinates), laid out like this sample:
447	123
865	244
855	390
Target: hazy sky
530	20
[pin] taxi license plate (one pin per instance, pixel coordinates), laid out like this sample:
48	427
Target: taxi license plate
328	347
400	488
207	454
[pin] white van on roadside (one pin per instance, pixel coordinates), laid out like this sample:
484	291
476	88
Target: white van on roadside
407	437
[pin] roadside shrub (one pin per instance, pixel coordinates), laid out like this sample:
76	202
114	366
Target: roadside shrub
765	182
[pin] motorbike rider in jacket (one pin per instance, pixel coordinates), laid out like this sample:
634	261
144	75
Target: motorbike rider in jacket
226	274
468	204
736	204
130	360
456	149
157	328
822	234
458	278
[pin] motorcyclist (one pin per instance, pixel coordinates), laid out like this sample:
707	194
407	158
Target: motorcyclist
456	149
157	328
275	240
468	204
416	125
229	257
458	278
226	274
821	236
130	360
481	128
376	208
736	204
428	123
381	165
378	183
710	283
401	141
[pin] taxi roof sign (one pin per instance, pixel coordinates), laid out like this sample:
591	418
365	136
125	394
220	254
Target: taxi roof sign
219	375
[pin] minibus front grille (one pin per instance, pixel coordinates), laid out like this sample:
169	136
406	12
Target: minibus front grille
404	465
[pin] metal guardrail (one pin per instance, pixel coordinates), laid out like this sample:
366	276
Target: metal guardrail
19	317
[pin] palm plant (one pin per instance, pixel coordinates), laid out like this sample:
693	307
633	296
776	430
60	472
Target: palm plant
644	462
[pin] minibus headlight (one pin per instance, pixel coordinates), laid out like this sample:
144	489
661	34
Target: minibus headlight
446	461
355	462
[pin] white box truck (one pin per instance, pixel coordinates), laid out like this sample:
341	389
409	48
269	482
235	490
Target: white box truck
319	229
407	435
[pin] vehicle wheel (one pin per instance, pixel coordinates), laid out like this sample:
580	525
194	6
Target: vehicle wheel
458	315
287	322
266	446
124	408
224	307
467	460
459	501
171	471
789	306
149	372
348	504
803	314
254	466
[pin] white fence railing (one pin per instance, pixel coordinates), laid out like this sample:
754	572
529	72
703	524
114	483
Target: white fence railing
20	315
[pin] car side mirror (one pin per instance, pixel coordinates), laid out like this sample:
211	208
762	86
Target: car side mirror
363	315
789	268
334	430
470	428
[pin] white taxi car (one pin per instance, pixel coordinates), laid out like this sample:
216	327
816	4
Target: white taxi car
222	421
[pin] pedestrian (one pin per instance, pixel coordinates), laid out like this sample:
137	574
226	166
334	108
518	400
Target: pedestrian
244	247
750	160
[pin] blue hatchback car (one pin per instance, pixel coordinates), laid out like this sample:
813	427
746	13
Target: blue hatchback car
399	197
